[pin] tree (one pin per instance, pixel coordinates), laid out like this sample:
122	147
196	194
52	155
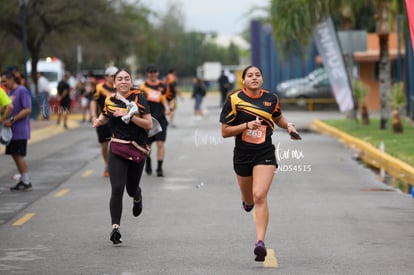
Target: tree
293	20
121	32
59	26
169	31
397	102
43	18
360	91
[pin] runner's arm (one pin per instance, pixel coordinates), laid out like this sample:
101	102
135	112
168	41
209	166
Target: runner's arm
230	131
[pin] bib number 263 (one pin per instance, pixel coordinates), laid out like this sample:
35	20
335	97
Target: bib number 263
255	136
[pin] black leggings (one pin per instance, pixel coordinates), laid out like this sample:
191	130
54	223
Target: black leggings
123	173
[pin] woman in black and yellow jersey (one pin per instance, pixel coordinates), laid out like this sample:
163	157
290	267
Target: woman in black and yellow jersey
124	173
249	115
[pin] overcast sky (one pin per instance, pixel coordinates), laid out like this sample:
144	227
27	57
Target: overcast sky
225	17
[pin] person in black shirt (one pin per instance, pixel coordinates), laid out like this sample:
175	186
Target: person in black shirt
224	87
199	92
64	99
249	115
124	173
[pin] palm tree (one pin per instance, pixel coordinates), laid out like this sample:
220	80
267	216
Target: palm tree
292	22
397	102
360	91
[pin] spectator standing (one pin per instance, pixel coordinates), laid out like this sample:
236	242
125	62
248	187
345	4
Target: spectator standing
6	106
19	78
64	99
3	81
102	91
43	88
19	121
84	101
224	87
199	92
155	92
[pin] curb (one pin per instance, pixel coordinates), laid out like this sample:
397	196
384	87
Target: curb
50	131
370	154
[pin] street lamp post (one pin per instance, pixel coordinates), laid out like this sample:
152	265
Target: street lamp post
23	4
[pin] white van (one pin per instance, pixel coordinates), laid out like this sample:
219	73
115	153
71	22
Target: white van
53	69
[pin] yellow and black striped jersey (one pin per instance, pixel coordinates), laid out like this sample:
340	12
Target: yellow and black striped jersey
241	108
102	91
120	129
156	97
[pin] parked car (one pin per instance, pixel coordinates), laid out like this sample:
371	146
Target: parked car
315	85
282	86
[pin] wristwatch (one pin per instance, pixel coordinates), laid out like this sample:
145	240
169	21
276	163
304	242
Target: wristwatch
12	118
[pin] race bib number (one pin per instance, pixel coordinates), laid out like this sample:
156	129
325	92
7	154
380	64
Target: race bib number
154	96
256	136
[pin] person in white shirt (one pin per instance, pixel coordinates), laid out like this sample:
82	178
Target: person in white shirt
43	88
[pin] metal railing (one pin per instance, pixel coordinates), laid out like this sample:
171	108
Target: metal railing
309	102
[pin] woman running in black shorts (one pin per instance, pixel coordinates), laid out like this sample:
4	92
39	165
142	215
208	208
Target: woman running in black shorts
249	115
124	173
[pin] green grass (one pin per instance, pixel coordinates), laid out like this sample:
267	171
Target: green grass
400	146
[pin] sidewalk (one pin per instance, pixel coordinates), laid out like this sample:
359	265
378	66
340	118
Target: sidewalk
43	129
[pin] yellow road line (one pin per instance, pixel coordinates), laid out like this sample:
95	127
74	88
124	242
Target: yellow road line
23	219
61	193
87	173
271	260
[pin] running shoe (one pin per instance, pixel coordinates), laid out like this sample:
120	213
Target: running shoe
260	251
137	208
160	173
21	186
116	236
247	207
106	172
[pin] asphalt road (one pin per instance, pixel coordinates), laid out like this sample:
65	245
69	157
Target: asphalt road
328	213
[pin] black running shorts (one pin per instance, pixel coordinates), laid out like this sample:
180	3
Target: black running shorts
161	136
243	162
104	133
17	147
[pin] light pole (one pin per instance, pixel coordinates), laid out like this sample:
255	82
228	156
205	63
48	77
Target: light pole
23	4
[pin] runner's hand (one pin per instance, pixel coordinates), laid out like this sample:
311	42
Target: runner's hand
132	108
293	132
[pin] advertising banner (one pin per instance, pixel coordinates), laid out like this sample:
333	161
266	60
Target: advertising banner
329	49
409	7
